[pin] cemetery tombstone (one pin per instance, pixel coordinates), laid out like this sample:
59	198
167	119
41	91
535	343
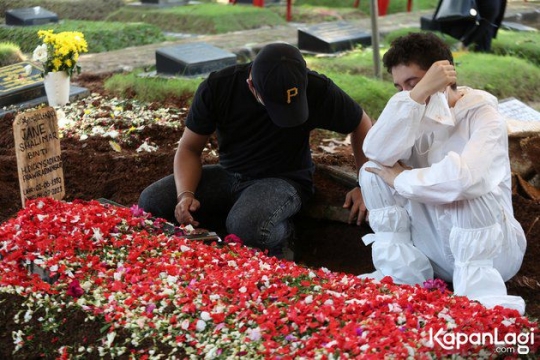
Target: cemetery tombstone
30	16
332	37
192	59
521	118
20	82
428	23
39	159
515	26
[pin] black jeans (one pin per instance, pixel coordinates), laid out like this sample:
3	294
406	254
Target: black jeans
258	211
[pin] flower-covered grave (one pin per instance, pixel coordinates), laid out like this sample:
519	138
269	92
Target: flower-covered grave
158	294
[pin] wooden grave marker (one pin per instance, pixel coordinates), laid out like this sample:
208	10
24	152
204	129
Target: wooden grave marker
39	158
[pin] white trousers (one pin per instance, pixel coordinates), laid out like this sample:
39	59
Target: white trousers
472	243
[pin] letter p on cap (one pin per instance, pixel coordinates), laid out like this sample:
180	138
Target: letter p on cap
292	92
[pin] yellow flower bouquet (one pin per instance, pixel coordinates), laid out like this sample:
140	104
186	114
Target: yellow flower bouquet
60	52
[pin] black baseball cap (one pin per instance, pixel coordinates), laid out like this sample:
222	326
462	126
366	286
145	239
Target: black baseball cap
279	75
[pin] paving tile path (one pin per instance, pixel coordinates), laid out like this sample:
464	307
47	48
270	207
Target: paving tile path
244	42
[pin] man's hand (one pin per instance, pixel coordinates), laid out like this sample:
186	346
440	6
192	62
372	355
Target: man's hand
184	208
388	173
440	75
355	202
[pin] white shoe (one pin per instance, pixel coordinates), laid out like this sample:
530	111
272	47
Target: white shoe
507	301
376	275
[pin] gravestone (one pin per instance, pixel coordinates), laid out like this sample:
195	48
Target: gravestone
30	16
39	158
514	109
428	23
18	85
192	59
332	37
514	26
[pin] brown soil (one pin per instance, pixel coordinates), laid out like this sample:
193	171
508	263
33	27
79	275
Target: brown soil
93	170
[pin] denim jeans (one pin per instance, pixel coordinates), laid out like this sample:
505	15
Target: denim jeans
258	211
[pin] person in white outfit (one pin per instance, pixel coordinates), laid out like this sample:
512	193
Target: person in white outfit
438	183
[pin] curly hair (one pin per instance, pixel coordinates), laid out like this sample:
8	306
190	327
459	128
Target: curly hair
421	48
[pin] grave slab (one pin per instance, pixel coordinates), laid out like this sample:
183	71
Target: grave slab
428	23
514	26
332	37
520	117
30	16
16	84
192	59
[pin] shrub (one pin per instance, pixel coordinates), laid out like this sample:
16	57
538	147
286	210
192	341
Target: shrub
10	54
523	44
519	78
100	37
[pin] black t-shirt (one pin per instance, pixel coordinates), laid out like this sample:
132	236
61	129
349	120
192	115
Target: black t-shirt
249	142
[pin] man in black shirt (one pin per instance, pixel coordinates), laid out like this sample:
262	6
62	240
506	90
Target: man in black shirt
262	113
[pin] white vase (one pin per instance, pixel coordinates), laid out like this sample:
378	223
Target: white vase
57	85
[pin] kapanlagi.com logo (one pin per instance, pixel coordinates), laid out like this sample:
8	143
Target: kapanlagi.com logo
455	340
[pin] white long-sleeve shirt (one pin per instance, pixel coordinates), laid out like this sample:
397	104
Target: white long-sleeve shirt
463	157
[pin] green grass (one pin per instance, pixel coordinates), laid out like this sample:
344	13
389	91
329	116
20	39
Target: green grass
151	88
372	94
308	14
521	44
201	18
356	62
503	76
